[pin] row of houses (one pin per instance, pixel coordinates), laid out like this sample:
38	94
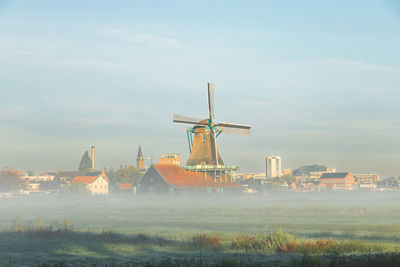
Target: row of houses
96	182
173	179
158	179
340	181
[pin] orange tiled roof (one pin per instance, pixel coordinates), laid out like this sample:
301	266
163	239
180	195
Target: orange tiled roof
179	177
125	186
85	179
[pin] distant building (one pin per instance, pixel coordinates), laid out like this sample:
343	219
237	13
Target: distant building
38	178
287	171
44	182
175	159
124	188
366	178
274	166
140	159
172	179
250	175
97	185
336	181
33	187
308	187
64	178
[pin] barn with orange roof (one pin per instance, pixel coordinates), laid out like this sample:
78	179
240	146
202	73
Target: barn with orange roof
170	178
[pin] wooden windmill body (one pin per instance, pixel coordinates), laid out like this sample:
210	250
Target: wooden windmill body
201	151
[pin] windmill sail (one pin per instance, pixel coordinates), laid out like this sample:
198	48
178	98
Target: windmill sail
211	89
213	143
185	119
231	128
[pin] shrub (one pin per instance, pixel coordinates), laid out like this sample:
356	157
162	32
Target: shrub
273	242
203	241
290	247
245	243
269	242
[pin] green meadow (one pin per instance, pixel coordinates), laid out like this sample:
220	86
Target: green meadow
287	229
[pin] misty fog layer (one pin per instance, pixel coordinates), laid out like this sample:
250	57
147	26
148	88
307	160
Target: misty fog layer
287	211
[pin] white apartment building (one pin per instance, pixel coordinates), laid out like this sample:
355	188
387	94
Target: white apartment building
274	166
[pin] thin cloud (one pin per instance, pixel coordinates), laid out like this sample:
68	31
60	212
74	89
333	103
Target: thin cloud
360	65
85	63
30	58
130	37
27	53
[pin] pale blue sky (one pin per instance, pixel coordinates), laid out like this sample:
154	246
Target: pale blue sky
317	80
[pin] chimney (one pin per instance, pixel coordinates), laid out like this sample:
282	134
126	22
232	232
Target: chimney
92	157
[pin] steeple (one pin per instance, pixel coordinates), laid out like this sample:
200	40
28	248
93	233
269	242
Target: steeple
139	159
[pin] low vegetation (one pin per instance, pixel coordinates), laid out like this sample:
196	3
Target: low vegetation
280	242
123	249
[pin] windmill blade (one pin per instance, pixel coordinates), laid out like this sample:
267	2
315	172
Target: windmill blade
231	128
211	89
185	119
214	153
234	131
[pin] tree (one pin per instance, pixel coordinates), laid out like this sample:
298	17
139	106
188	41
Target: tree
10	181
86	162
75	188
305	170
127	174
110	173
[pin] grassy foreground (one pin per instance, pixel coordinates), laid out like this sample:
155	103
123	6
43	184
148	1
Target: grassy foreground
38	247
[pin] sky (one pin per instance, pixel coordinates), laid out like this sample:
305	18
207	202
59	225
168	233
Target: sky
317	80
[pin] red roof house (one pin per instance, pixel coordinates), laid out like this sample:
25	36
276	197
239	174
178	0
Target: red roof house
95	184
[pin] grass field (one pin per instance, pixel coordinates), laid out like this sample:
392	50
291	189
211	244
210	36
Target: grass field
137	230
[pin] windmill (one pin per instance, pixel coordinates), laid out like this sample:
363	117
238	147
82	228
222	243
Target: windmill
203	146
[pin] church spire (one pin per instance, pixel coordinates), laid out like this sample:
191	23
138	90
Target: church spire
139	159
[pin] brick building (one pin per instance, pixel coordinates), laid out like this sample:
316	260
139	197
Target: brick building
170	159
336	181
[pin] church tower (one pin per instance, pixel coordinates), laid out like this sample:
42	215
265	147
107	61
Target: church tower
139	159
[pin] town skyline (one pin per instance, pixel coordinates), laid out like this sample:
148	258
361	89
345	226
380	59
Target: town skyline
323	93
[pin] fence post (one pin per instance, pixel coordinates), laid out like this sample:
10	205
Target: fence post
16	225
66	224
41	224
